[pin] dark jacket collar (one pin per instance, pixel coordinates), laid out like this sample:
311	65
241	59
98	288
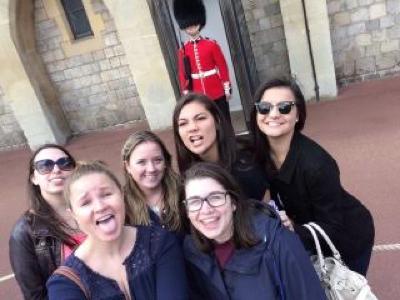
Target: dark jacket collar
286	172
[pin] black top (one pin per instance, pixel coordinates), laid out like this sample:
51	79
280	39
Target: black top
308	187
249	174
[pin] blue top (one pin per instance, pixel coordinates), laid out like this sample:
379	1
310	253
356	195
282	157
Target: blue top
277	268
155	271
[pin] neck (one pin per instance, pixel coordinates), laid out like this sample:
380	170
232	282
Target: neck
194	37
279	148
154	197
112	249
212	155
57	202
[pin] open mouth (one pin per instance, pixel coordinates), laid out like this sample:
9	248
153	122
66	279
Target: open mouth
196	140
107	223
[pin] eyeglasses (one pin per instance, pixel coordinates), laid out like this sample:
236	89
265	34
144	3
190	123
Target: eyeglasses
214	199
284	107
46	166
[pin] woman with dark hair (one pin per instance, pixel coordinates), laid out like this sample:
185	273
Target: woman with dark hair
152	187
305	179
116	261
240	251
45	234
202	134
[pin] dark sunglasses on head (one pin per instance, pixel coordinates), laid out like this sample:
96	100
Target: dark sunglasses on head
46	166
284	107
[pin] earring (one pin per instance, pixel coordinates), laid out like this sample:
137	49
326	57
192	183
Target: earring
297	120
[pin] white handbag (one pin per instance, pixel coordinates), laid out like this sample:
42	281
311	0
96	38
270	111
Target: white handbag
337	280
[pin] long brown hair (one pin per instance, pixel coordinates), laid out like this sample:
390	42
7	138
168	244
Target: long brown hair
225	135
136	208
41	208
243	235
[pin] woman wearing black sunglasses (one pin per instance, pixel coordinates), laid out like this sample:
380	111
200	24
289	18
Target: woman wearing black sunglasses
45	234
304	178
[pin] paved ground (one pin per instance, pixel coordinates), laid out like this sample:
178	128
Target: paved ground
361	129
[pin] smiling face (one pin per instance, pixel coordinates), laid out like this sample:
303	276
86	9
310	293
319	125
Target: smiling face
146	165
276	125
216	223
98	207
197	130
51	184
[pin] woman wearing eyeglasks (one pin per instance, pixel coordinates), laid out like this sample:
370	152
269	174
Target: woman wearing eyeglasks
305	179
202	134
46	233
240	251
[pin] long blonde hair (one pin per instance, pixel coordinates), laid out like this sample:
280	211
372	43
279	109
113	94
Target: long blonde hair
136	209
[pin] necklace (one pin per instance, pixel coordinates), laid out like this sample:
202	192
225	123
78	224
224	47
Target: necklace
156	207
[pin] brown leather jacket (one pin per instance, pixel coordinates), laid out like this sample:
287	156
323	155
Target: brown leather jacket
34	255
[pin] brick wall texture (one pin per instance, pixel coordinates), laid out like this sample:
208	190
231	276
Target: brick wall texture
365	38
11	134
267	37
96	89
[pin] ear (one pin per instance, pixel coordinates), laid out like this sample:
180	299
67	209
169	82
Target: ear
34	180
127	166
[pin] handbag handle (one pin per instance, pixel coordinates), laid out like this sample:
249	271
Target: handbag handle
318	247
70	274
335	252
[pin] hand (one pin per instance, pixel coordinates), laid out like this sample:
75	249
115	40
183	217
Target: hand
286	221
228	96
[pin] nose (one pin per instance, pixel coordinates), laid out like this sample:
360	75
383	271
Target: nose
206	208
99	205
150	166
56	169
192	126
274	112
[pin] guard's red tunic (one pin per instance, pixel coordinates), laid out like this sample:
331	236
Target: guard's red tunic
205	55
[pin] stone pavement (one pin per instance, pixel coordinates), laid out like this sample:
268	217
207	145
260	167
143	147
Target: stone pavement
361	130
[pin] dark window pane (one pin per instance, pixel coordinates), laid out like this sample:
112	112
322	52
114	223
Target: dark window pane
77	18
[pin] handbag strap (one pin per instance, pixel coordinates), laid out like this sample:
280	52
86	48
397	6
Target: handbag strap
318	247
70	274
335	252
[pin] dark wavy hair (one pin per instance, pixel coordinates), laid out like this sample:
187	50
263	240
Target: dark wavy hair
41	208
243	235
225	135
261	143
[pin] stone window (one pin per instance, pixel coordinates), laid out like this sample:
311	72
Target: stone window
77	18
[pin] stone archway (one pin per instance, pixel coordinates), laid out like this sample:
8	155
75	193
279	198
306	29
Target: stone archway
24	80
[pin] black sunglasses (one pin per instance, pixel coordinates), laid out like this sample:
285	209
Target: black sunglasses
46	166
284	107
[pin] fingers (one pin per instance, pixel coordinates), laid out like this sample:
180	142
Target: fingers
286	221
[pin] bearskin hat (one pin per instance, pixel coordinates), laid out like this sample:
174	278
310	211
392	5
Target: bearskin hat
189	12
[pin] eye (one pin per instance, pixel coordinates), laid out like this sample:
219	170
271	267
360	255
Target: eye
182	123
84	203
201	117
140	162
159	160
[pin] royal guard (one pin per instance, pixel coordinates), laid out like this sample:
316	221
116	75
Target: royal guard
202	65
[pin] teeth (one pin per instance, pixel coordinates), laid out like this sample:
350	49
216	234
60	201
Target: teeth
195	138
105	218
209	220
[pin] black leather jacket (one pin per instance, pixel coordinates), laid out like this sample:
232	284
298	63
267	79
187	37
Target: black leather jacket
34	254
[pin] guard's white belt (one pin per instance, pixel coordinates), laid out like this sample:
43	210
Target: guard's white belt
204	74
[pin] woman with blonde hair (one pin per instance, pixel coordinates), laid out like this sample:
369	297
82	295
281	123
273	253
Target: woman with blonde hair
152	187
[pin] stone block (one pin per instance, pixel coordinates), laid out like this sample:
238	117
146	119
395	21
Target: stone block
86	69
40	15
387	21
363	39
264	24
48	56
386	62
111	39
60	65
356	29
95	79
115	62
379	35
342	19
373	50
350	4
109	52
95	66
276	21
393	6
272	9
98	55
365	2
373	25
105	65
333	6
58	76
377	10
58	54
365	65
354	53
394	32
87	58
125	71
259	13
46	24
390	46
74	61
361	14
349	68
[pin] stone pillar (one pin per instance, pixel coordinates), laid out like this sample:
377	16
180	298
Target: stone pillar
20	89
143	52
298	48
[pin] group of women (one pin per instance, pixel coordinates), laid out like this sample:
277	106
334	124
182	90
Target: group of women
207	233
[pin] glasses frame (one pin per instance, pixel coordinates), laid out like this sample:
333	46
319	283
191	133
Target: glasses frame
205	199
70	166
279	105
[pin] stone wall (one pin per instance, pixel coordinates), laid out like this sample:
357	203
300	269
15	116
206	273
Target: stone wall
96	89
365	38
267	37
11	135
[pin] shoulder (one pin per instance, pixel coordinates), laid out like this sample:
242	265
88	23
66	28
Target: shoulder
154	239
61	287
23	227
312	154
